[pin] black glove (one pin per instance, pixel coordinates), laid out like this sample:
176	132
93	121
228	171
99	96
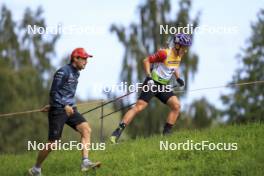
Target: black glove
180	82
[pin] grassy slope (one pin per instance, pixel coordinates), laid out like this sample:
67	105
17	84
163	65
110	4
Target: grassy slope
143	157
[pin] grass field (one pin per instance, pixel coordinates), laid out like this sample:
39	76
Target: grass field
144	157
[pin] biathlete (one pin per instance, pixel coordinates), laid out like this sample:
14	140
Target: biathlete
159	68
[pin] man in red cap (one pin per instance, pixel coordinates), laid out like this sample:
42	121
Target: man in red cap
62	109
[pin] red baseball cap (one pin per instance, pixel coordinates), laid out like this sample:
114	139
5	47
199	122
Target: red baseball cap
80	52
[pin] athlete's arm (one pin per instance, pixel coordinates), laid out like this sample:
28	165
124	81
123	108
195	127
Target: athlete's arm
159	56
177	73
58	81
147	67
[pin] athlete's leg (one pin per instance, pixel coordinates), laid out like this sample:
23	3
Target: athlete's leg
85	131
175	106
43	154
57	120
139	106
128	117
79	123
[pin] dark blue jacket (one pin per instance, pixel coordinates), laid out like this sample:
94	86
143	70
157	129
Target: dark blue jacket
64	87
